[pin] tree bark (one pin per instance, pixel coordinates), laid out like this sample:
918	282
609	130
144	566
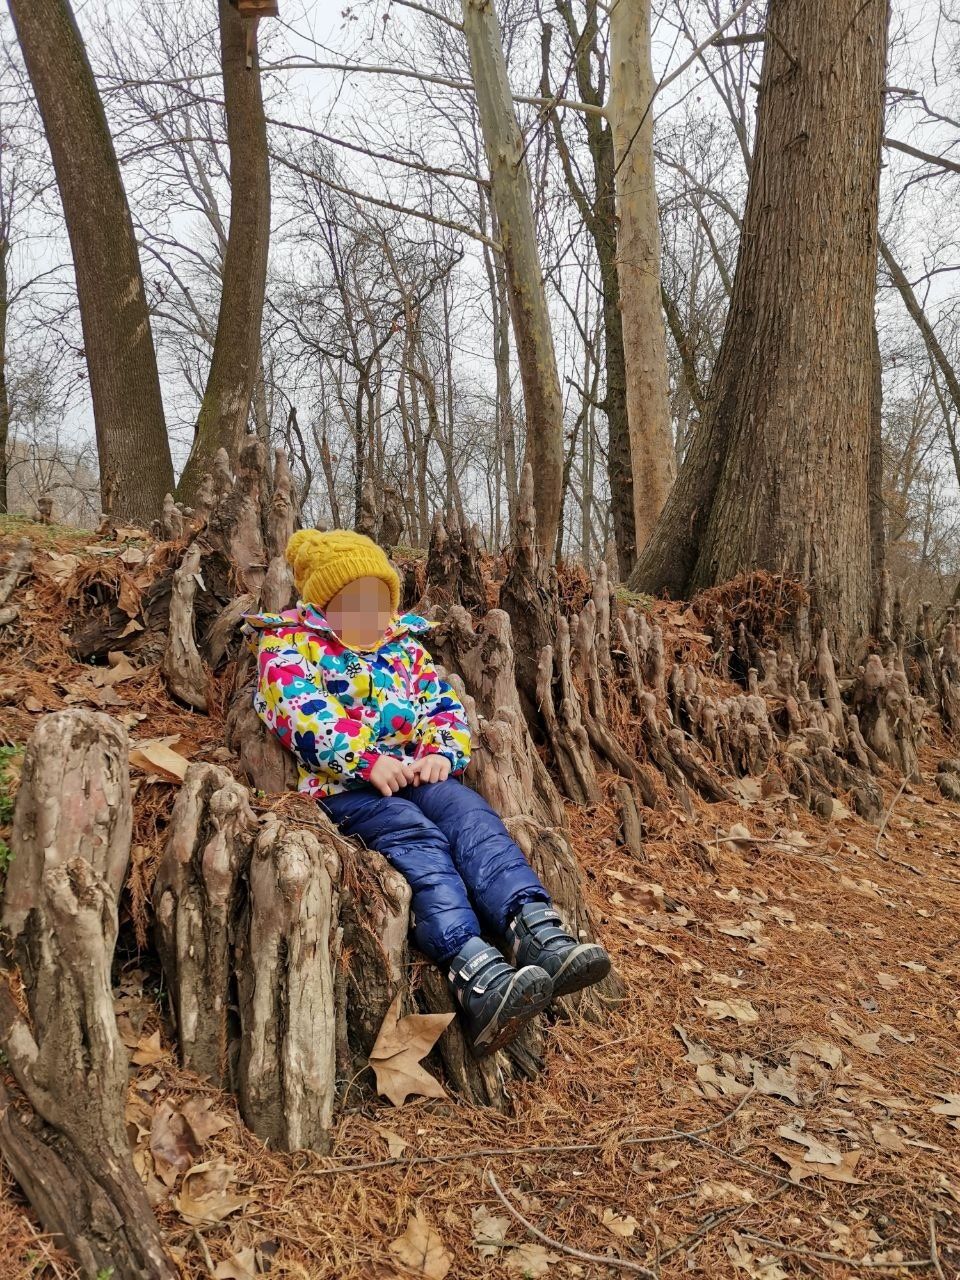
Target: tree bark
638	263
777	476
135	466
600	218
222	422
71	841
510	186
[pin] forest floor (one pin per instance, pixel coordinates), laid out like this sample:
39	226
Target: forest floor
778	1095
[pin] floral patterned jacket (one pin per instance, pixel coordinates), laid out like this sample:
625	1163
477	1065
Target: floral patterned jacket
338	709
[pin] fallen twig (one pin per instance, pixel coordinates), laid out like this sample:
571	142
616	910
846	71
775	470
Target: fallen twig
823	1256
934	1251
481	1153
886	816
621	1263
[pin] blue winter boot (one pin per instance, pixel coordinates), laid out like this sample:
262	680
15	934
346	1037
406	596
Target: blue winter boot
495	998
536	936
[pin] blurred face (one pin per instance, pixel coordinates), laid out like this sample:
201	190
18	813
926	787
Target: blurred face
361	613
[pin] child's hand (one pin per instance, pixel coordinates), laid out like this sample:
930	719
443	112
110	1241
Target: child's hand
432	768
389	774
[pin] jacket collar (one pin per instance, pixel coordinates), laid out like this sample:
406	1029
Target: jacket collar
312	619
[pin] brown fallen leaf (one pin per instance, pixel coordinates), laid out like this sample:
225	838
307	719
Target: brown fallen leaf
950	1105
531	1260
154	756
239	1266
888	981
887	1137
817	1151
421	1250
620	1225
401	1043
120	669
756	1268
172	1144
741	1011
489	1231
205	1197
202	1121
60	567
395	1144
822	1050
778	1083
149	1050
712	1078
798	1168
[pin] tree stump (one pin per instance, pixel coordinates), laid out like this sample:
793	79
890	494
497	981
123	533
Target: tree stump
71	843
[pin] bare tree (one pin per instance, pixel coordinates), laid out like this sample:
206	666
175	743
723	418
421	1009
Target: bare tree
135	465
510	187
234	368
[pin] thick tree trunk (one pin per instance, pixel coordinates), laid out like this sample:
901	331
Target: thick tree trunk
222	422
632	90
510	185
777	476
135	466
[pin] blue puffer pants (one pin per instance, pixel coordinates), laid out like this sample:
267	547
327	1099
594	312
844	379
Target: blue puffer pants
454	851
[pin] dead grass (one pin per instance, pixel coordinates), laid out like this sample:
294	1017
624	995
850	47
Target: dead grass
797	918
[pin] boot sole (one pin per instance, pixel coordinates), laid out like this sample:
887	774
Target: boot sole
528	994
584	966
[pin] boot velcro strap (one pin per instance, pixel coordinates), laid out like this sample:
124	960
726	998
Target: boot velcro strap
551	933
473	966
541	914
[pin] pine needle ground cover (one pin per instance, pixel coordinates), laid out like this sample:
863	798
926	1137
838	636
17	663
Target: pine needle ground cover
778	1094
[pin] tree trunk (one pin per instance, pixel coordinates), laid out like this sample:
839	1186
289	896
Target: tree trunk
222	422
600	219
510	186
777	476
4	388
638	262
135	466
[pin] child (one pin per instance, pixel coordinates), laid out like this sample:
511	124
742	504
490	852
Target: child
347	686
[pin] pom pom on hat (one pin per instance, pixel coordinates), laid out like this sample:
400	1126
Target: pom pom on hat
323	564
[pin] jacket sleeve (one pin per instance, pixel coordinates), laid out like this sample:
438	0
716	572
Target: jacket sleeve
442	726
310	722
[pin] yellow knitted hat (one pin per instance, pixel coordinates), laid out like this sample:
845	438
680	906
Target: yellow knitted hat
323	564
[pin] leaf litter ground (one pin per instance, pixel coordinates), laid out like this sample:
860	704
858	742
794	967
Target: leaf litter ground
779	1094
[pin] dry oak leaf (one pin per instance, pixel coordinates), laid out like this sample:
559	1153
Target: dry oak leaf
817	1151
822	1050
149	1050
798	1169
239	1266
778	1083
205	1197
531	1260
172	1144
203	1122
154	756
395	1144
489	1231
741	1011
950	1106
421	1250
621	1225
756	1268
401	1043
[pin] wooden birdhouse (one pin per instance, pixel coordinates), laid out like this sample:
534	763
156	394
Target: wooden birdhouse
257	8
251	11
